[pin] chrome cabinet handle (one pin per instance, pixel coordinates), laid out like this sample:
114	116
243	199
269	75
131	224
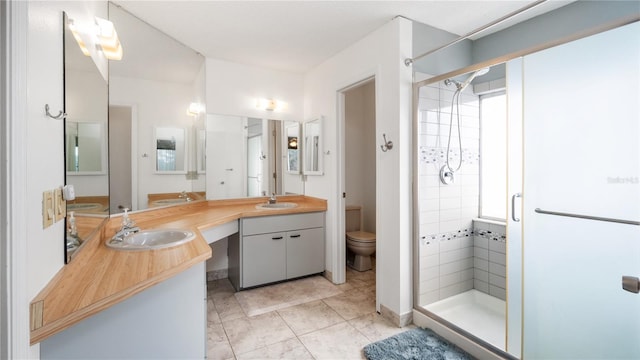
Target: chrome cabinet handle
513	206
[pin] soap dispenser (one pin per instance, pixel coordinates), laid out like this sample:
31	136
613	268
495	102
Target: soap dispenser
73	241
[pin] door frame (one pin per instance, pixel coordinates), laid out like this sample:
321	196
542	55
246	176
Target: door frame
340	261
134	153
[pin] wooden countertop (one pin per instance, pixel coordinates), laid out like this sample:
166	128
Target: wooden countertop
99	277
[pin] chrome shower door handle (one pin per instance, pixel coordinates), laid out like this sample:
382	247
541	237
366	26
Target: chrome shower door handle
631	284
513	206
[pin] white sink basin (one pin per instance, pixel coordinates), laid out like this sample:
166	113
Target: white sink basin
279	205
153	239
170	201
83	206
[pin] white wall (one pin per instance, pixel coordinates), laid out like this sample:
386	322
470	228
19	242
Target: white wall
232	89
45	140
360	152
159	104
381	53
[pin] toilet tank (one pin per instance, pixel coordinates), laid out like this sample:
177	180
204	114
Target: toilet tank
352	218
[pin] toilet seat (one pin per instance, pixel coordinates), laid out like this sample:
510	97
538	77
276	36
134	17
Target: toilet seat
361	236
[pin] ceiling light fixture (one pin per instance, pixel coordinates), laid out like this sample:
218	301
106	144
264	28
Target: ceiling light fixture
195	109
76	35
108	39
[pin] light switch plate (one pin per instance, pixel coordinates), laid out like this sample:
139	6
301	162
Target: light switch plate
47	209
59	205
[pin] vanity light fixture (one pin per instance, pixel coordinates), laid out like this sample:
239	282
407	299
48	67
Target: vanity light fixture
108	39
76	35
271	105
195	109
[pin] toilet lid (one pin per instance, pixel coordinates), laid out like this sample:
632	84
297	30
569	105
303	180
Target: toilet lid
362	236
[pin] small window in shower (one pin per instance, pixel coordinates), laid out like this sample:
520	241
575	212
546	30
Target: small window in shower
493	156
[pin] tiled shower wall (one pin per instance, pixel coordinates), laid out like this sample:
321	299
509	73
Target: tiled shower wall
490	259
446	211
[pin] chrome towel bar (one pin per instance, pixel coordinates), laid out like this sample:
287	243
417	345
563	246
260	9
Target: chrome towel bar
588	217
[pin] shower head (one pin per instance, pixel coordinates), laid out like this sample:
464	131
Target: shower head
470	79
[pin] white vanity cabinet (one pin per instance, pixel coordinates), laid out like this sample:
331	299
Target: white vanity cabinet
276	248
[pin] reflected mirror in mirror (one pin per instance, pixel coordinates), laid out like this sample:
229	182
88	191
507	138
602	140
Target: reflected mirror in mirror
85	143
85	147
312	147
255	161
171	156
292	129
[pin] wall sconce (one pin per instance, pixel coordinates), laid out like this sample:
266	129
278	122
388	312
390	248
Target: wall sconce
195	109
108	39
271	105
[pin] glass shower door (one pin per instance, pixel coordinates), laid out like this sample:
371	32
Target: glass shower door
581	114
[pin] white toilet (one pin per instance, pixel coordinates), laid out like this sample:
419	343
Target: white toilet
361	244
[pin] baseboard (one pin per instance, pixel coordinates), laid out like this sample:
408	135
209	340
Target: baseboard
217	274
328	275
396	319
461	341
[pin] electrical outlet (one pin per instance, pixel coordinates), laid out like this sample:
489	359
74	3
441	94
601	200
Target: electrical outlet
59	205
47	209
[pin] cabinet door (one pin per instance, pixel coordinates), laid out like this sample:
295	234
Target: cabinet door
263	259
305	252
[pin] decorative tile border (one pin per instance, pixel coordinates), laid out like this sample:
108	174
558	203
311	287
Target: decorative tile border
487	234
491	235
436	155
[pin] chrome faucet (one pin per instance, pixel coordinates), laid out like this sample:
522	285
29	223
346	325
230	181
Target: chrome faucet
127	227
272	199
185	196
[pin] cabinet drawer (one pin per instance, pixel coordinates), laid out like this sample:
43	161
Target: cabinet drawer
278	223
305	252
263	259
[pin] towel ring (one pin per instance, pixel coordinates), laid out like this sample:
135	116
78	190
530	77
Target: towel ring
61	115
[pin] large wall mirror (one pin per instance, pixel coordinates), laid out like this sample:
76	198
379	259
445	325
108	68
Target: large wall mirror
86	167
260	157
156	145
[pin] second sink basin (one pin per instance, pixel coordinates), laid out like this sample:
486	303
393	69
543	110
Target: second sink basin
279	205
153	239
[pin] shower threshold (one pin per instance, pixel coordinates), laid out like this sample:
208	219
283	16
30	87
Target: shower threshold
475	312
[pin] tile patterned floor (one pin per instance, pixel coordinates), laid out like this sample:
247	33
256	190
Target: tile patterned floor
309	318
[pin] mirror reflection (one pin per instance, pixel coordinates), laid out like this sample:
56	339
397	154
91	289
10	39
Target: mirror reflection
313	147
85	144
155	86
85	103
293	147
171	153
260	161
153	128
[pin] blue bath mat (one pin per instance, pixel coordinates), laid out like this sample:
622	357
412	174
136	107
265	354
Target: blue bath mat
415	344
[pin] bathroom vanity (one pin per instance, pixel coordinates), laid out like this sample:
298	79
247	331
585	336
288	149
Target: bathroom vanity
268	249
131	304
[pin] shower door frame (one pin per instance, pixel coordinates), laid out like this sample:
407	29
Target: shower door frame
419	310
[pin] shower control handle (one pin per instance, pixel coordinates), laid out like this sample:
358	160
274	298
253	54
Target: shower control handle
513	206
